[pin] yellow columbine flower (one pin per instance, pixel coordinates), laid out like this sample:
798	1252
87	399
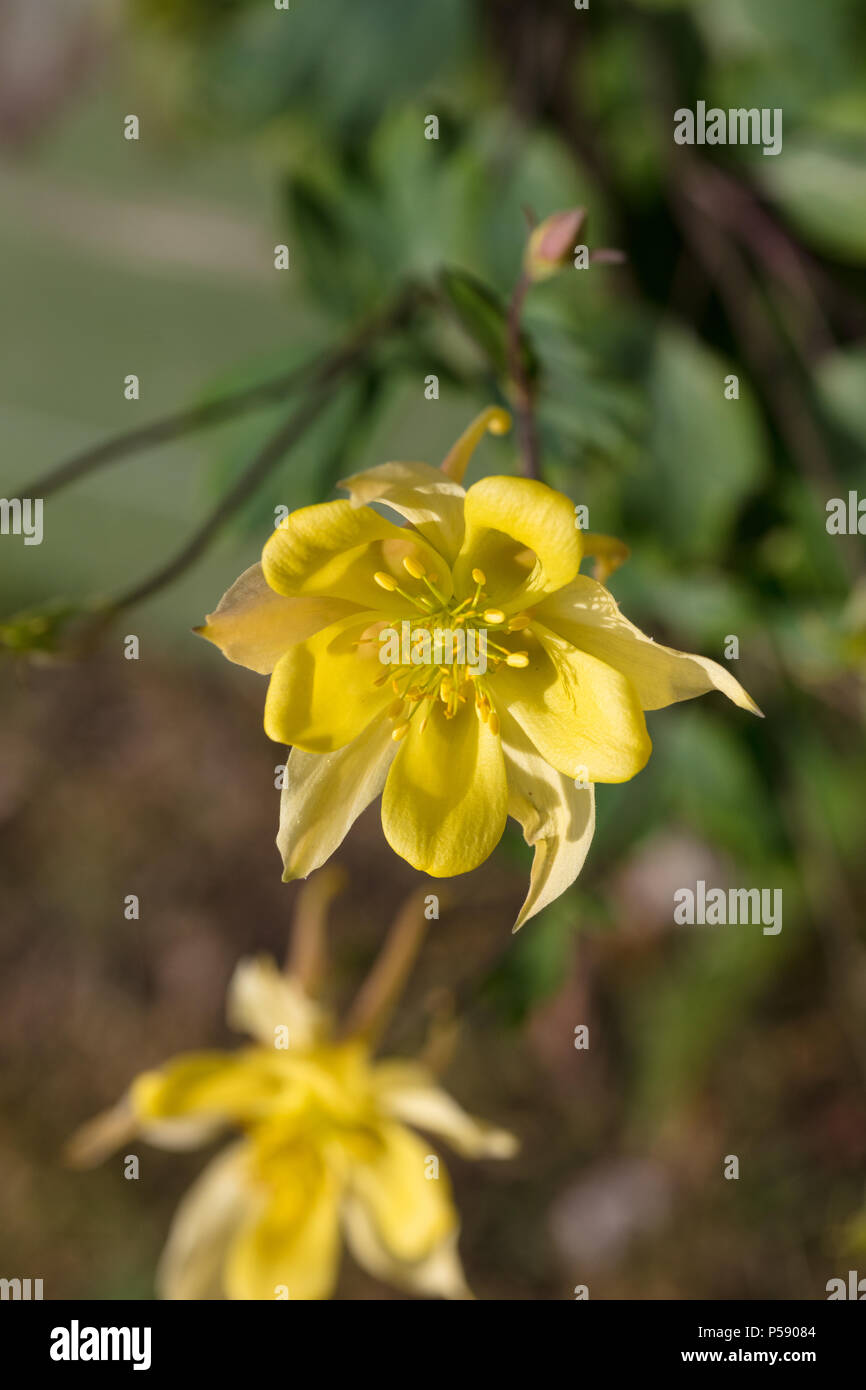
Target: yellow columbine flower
453	751
326	1152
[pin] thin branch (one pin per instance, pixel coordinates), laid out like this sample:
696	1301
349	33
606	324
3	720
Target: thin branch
175	426
272	452
754	328
750	318
723	198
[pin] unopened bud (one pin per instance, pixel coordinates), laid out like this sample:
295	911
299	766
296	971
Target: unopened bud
551	244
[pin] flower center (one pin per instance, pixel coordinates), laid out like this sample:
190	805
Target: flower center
445	650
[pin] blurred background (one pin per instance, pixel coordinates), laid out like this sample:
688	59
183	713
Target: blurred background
156	257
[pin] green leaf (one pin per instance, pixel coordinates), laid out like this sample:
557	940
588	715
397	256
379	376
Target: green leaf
822	187
841	382
538	960
706	454
483	316
324	246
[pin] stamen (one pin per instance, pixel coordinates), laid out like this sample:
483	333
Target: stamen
395	709
493	722
389	584
493	616
517	659
519	622
412	566
430	581
460	607
400	731
479	576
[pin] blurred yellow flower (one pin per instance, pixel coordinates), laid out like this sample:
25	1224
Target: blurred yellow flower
328	1149
453	749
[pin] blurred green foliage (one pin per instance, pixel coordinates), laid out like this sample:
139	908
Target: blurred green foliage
738	264
539	108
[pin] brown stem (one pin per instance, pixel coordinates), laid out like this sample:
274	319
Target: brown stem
184	422
306	954
379	993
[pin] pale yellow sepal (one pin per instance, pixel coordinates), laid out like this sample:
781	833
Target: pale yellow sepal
254	626
589	617
558	819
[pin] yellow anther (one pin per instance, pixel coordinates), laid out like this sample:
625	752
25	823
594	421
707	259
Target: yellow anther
517	659
385	581
493	615
380	680
400	731
395	709
479	576
493	722
412	566
519	622
483	711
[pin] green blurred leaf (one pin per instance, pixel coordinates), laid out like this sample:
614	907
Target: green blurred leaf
481	313
841	382
706	454
484	317
538	960
822	187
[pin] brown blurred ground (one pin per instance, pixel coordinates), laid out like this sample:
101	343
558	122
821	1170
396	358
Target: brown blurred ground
121	777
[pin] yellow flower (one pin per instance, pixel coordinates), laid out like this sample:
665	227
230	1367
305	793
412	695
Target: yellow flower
328	1150
453	751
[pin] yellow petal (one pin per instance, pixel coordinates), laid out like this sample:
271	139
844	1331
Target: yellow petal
228	1086
410	1095
322	693
587	615
204	1225
445	801
326	792
292	1242
427	498
261	998
335	549
99	1137
494	419
437	1275
506	517
254	626
583	717
412	1213
558	818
